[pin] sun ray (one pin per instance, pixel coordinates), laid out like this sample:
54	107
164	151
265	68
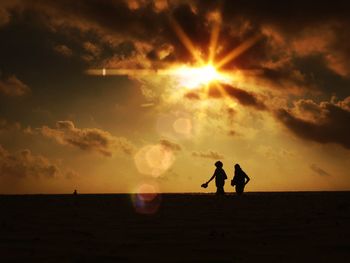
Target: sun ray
214	36
129	72
186	41
238	51
218	86
199	74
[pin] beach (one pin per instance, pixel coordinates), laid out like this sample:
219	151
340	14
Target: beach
257	227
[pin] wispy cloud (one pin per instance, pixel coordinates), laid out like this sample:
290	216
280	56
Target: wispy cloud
318	170
23	164
63	50
208	155
88	139
13	87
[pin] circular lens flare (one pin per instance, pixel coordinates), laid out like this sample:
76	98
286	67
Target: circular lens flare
154	160
183	126
147	199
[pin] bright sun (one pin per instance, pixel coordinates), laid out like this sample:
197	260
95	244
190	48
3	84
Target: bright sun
196	77
204	72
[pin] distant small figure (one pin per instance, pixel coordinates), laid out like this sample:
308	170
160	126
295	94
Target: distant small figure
220	177
75	192
240	179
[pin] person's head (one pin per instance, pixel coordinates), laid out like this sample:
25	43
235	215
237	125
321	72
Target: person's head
218	164
237	166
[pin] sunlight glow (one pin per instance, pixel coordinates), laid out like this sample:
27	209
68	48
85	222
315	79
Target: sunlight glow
196	77
200	72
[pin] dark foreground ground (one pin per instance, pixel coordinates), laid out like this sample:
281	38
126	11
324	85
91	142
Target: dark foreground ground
260	227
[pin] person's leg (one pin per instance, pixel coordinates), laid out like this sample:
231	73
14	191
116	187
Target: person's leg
220	190
239	189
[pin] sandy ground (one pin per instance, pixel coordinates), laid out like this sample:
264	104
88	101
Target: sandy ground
259	227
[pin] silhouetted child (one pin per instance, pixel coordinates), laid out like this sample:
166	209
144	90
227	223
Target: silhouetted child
240	179
220	177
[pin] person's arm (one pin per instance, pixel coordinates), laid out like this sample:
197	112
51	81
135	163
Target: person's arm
211	178
247	178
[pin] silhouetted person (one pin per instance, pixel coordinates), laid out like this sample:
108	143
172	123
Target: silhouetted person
240	179
75	192
220	177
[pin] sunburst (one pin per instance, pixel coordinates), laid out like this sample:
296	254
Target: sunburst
203	72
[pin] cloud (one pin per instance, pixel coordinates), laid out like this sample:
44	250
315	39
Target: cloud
138	34
92	51
232	133
63	50
192	95
170	145
88	139
208	155
13	87
4	17
6	8
244	98
318	170
327	122
24	164
91	48
5	125
324	40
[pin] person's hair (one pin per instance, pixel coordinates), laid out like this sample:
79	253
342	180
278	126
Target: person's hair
218	164
237	166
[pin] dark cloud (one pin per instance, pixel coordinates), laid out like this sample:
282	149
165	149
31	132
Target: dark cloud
288	32
5	125
208	155
192	96
63	50
318	170
4	17
87	139
244	98
232	133
302	47
6	7
23	164
13	87
324	123
170	145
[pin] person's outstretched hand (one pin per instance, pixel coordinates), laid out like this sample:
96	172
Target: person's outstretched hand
205	185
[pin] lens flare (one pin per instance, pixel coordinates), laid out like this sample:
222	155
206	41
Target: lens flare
146	199
154	160
183	126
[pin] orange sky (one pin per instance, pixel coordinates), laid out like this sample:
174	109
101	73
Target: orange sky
109	96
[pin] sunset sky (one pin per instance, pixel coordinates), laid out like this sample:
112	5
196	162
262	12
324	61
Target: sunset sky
117	96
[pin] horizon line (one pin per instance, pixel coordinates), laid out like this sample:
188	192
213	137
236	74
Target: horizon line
177	193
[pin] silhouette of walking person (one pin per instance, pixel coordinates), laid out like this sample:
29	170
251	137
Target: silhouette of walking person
220	177
240	179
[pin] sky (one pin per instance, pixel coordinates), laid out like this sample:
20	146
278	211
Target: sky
134	95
